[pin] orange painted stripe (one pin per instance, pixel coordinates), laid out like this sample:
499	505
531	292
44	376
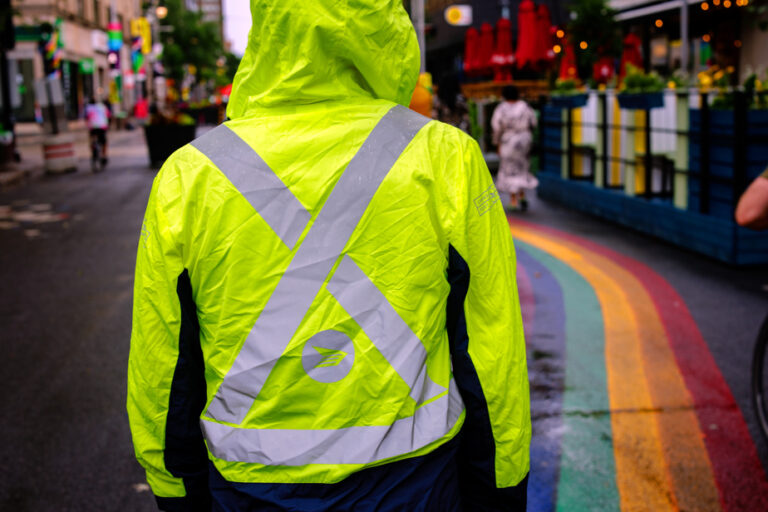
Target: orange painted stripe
740	476
644	384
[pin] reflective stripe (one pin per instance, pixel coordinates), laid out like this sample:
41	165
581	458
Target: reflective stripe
251	175
350	445
385	328
312	263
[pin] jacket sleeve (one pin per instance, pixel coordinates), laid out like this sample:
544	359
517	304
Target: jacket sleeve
166	390
488	347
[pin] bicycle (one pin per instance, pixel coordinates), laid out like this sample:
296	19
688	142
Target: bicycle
98	160
760	377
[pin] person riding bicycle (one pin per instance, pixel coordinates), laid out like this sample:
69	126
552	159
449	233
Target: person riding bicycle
97	117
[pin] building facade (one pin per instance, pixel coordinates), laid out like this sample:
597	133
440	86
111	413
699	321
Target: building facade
79	55
212	11
719	32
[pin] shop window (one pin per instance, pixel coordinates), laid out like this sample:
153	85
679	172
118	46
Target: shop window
71	83
24	82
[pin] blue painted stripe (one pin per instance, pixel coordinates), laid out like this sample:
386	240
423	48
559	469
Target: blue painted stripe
587	466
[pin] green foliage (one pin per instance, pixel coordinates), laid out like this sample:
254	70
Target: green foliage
565	87
758	14
637	81
189	44
680	79
594	23
226	74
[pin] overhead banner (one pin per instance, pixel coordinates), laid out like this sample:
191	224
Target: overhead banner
140	28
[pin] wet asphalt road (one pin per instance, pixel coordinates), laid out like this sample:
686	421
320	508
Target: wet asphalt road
65	313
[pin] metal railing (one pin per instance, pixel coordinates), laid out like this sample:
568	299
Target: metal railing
668	153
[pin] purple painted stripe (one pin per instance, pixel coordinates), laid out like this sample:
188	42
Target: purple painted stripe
527	302
546	362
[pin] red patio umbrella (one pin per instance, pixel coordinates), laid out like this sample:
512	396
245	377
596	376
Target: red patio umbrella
568	64
526	34
631	54
544	34
485	49
503	58
471	40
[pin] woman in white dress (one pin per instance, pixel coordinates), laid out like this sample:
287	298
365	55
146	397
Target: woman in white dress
513	122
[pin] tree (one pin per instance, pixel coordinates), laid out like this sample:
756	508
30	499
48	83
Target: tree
228	65
594	33
190	45
758	14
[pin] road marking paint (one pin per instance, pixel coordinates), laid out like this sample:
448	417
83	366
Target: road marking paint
586	463
686	455
642	478
741	478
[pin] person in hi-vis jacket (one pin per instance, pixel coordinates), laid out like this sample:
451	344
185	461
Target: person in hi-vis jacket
326	316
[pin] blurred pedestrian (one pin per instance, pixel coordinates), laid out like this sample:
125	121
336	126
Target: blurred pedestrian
752	210
513	122
325	309
97	119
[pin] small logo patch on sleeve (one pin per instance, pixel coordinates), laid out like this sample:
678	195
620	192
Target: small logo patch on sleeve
144	235
486	200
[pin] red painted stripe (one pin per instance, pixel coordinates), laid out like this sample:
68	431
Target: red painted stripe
49	154
740	476
67	145
527	300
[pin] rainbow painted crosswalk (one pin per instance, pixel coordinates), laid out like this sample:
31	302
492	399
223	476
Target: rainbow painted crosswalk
636	414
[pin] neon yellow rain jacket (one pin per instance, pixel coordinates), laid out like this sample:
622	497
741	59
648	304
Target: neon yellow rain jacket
325	288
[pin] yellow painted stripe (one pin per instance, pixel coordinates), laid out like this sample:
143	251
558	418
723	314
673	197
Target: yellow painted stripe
642	475
685	453
578	159
639	150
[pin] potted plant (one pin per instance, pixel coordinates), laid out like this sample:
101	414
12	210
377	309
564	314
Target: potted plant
166	133
640	90
566	94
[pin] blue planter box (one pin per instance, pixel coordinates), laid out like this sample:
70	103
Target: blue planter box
719	154
569	101
641	101
716	237
552	139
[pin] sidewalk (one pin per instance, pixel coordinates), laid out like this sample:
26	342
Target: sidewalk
30	147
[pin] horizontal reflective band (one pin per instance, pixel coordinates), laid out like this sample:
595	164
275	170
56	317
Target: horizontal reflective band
351	445
253	178
312	263
384	327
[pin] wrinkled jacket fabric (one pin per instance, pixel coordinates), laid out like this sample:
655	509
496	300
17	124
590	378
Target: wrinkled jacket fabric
315	80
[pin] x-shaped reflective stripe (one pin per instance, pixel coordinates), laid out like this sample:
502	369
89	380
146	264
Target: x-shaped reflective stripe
314	259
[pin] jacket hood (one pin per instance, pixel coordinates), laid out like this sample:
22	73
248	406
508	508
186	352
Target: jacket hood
309	51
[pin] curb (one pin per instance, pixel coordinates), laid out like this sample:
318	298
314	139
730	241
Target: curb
11	176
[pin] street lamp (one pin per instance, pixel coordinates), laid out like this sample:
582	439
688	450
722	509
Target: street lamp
161	11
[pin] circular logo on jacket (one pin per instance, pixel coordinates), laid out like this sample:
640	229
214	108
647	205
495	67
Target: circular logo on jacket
328	356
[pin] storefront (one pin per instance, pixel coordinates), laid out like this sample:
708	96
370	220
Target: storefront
720	32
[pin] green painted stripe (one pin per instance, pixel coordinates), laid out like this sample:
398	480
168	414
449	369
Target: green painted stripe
587	468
